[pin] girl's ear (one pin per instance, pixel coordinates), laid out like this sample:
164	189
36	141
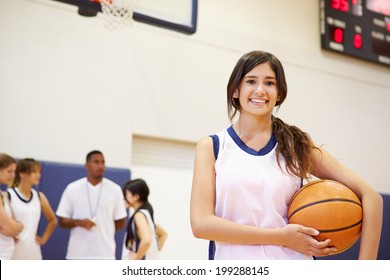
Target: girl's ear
235	94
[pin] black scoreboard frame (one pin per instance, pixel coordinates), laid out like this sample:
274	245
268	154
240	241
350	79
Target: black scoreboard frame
353	28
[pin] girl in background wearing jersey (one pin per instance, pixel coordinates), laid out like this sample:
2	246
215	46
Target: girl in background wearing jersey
9	227
245	176
144	238
27	204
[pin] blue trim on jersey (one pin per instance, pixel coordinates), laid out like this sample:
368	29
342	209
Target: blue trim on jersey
137	239
215	145
265	150
21	198
211	250
137	243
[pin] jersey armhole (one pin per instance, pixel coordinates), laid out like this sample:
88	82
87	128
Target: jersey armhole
8	195
215	139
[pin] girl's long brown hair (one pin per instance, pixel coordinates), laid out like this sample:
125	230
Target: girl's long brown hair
136	186
294	145
6	160
27	166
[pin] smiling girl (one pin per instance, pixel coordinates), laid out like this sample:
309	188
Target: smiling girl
245	176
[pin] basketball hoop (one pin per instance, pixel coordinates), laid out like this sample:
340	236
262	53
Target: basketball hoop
117	13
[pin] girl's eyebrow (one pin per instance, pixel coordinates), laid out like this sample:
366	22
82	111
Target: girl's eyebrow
255	77
250	77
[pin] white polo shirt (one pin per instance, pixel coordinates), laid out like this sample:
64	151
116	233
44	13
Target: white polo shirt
105	204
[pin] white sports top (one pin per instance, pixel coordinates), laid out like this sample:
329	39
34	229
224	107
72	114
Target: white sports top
153	251
251	189
28	212
7	243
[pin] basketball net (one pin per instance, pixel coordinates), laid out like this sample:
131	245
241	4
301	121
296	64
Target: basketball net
117	13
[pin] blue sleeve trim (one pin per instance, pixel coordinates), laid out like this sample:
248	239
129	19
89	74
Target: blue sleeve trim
211	250
215	145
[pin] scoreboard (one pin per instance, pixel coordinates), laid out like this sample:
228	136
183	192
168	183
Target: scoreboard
357	28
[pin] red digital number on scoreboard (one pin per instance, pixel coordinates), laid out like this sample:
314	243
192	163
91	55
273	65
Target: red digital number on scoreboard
341	5
357	41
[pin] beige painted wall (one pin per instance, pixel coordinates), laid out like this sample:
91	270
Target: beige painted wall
67	85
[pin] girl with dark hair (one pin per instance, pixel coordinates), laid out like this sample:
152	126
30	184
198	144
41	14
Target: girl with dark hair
245	176
144	238
9	227
28	204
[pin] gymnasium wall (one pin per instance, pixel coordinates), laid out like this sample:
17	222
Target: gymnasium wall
68	85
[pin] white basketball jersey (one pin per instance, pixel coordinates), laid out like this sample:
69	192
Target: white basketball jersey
251	189
28	212
153	252
7	243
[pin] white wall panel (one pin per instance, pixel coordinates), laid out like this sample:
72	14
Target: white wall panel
167	167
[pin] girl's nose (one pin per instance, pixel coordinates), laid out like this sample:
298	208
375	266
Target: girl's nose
260	90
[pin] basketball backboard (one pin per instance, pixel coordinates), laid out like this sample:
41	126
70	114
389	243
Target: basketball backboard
178	15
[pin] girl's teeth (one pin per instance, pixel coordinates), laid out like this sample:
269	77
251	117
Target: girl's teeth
258	101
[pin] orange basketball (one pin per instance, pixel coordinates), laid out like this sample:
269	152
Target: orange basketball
331	208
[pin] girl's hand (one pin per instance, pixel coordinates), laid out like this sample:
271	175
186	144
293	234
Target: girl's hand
39	241
132	255
16	239
300	238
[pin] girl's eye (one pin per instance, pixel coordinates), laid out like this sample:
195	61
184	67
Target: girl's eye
251	82
269	83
